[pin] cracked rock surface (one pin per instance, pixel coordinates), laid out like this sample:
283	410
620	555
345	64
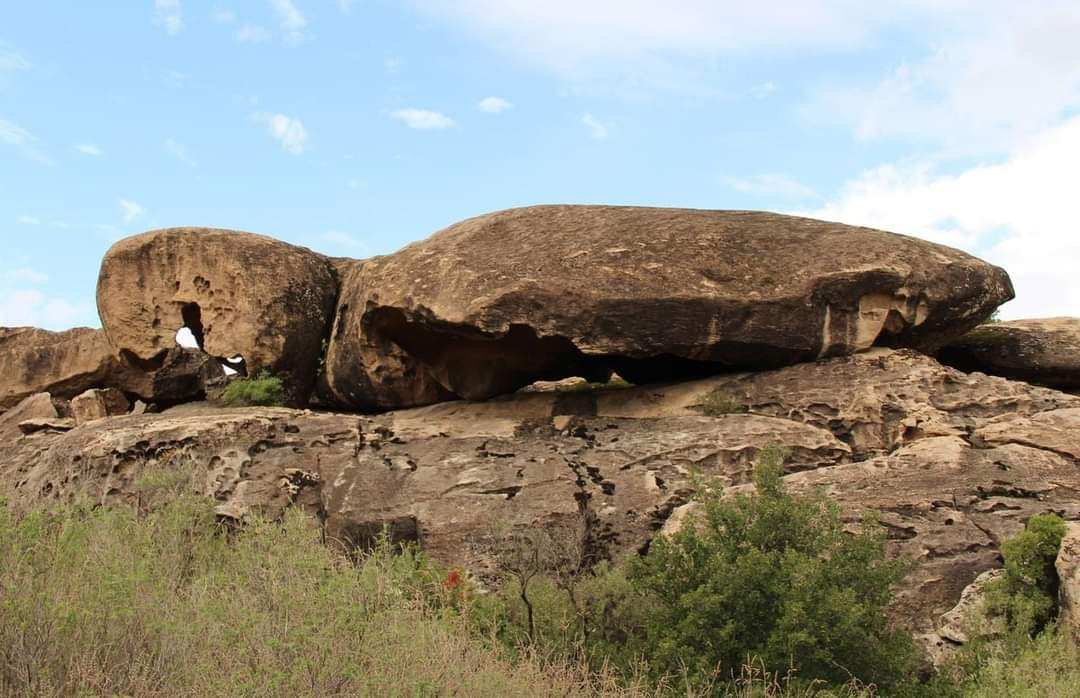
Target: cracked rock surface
952	463
497	302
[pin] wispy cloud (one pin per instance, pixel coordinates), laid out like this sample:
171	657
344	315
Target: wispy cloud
28	275
169	15
22	140
771	184
423	119
286	130
763	90
252	33
131	210
290	18
1019	212
12	61
179	151
29	220
21	306
89	149
222	16
346	5
598	130
493	105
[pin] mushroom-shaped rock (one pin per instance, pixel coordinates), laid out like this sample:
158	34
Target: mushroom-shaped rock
1044	351
494	303
64	364
238	293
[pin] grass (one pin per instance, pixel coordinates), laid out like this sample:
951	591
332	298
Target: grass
718	403
263	390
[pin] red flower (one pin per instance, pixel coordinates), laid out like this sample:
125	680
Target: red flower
453	579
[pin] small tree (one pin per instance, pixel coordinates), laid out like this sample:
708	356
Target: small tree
1026	595
773	577
264	390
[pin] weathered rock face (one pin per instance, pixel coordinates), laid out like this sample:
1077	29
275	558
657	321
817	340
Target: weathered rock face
1044	352
184	376
98	404
1068	571
61	363
953	463
497	302
239	293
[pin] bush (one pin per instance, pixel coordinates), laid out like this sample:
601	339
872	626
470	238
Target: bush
774	577
1026	595
264	390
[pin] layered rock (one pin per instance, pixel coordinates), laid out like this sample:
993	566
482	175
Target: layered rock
1044	352
63	364
952	463
1067	566
98	404
496	302
239	294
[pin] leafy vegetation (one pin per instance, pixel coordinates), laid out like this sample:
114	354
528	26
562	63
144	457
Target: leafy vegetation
766	597
265	390
718	403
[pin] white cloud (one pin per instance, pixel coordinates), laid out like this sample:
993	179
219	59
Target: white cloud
89	149
223	16
177	78
1005	73
286	130
635	46
11	61
346	240
131	210
1021	213
290	18
22	140
493	105
346	5
28	275
168	14
771	183
763	90
598	130
29	220
423	119
21	306
179	151
252	33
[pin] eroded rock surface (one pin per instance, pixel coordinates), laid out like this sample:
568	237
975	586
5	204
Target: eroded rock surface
64	364
98	404
953	463
1068	571
239	294
499	301
1044	352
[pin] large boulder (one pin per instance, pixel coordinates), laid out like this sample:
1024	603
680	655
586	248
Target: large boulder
1044	352
239	294
64	364
1067	566
98	404
494	303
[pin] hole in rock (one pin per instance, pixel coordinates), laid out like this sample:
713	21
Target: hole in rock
190	336
234	366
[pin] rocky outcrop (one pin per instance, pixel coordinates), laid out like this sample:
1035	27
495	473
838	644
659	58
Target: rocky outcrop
238	293
496	302
1044	352
61	363
98	404
1067	566
952	463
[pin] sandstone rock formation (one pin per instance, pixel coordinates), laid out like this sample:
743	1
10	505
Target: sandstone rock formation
1044	352
952	463
61	363
238	293
98	404
499	301
1068	571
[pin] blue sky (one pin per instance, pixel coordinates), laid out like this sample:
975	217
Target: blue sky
355	127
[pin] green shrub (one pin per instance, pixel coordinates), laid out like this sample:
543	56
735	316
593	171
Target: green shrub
265	390
771	576
718	403
1026	595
